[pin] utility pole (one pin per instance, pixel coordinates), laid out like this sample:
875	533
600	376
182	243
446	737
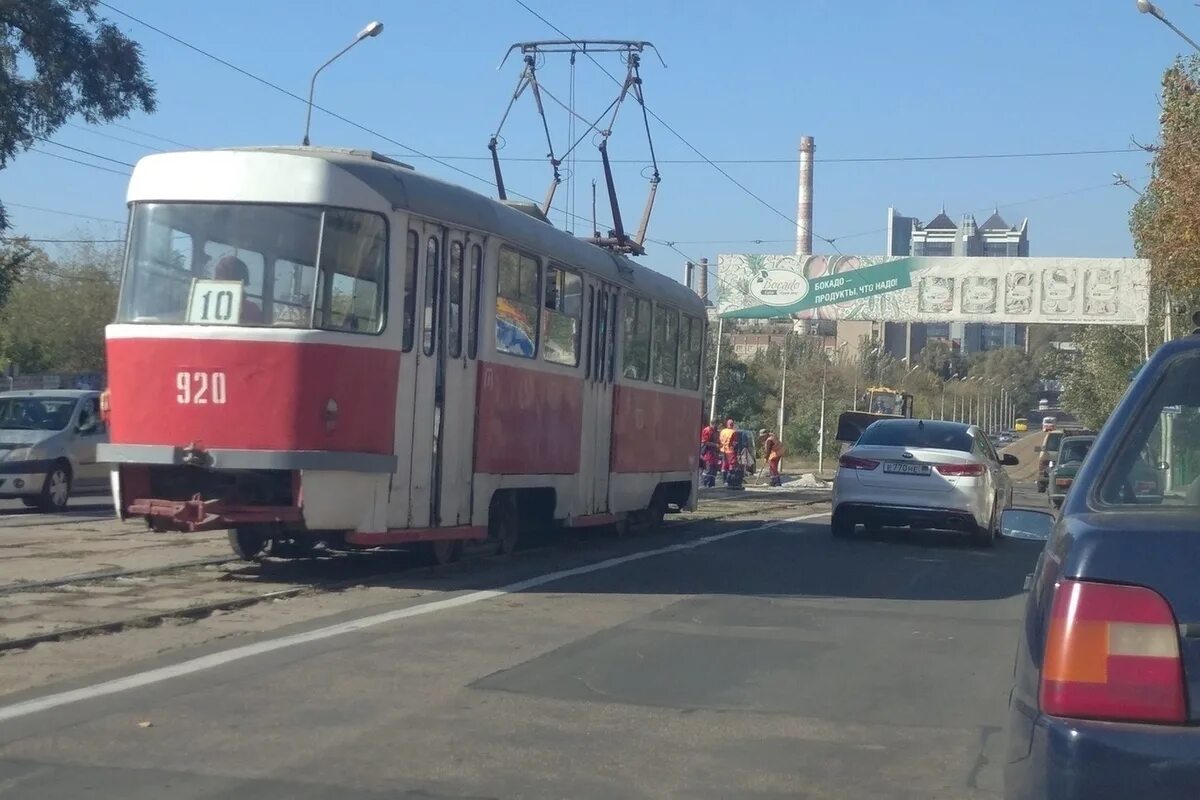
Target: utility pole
821	429
712	408
783	384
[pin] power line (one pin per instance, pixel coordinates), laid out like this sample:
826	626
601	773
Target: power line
18	239
335	115
63	213
82	163
837	160
678	135
84	152
151	135
985	209
114	138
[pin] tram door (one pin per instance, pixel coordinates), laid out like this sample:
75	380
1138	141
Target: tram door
598	395
438	486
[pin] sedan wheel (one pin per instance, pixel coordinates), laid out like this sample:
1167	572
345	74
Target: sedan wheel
56	490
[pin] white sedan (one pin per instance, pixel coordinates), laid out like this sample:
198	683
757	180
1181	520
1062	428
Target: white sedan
922	474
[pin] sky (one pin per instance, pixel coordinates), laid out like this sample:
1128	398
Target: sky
875	79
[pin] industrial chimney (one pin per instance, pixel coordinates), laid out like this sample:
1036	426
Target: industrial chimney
804	209
702	281
689	275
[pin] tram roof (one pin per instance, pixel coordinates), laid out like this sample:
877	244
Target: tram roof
407	189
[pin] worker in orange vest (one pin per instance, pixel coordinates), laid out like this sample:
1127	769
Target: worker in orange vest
710	453
728	448
774	452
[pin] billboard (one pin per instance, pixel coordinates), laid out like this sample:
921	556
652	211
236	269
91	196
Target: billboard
1097	291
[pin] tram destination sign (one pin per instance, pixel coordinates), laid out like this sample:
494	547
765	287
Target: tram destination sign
1100	291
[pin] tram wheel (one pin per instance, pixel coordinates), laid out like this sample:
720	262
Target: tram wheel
656	512
446	551
504	525
248	544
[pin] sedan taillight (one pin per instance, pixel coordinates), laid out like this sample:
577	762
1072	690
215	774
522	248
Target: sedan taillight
960	470
854	462
1112	653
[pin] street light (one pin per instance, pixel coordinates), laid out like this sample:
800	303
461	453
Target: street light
942	413
1146	7
372	29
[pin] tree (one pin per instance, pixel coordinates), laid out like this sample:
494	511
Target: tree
1164	221
59	58
1094	382
56	314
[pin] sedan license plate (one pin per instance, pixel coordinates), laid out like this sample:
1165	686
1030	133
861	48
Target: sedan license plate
902	468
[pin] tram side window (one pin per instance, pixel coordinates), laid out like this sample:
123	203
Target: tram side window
691	348
412	263
454	292
291	293
601	347
636	339
433	256
517	306
353	257
476	291
158	275
564	309
666	345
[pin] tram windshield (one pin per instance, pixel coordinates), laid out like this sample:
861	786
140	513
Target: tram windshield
255	265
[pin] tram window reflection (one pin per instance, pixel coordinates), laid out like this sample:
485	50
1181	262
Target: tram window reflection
691	347
636	338
176	247
517	306
666	345
561	324
291	293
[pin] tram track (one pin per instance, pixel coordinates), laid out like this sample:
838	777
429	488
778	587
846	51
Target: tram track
228	577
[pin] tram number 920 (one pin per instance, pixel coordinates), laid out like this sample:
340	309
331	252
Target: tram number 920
200	388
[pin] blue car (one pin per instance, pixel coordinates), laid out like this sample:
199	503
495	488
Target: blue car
1105	701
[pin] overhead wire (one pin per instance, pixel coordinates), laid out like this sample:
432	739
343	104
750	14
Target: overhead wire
83	163
246	73
84	152
111	136
680	136
152	135
834	160
63	213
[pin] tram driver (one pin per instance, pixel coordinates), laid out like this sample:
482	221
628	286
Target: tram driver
232	268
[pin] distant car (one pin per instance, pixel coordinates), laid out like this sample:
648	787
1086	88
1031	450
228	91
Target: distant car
1105	702
1021	425
1070	457
48	446
1043	404
922	474
1048	423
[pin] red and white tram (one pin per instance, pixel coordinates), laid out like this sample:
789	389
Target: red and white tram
316	344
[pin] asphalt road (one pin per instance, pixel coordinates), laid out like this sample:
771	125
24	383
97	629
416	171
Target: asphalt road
749	659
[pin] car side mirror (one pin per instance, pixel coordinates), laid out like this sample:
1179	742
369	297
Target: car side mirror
1009	460
1023	523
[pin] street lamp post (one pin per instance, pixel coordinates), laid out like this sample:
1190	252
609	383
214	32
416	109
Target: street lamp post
372	29
942	413
821	430
1147	7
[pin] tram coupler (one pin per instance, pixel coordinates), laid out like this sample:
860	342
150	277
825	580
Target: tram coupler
198	514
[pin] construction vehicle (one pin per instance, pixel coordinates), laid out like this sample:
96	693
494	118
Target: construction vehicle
877	402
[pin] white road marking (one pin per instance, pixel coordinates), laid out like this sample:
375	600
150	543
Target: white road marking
194	665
